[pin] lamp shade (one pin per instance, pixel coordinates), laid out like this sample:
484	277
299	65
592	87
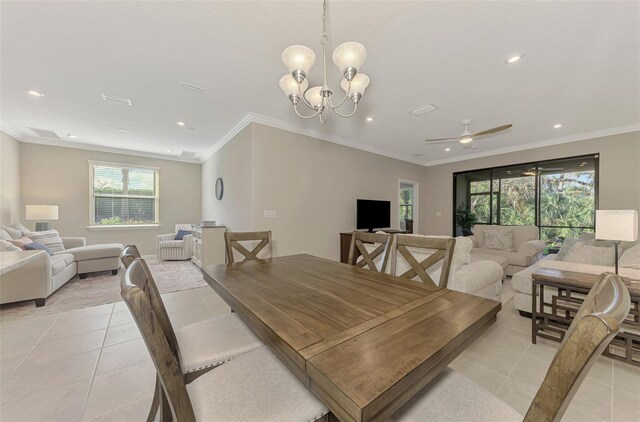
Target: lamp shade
359	83
290	86
314	96
41	212
298	57
349	54
619	225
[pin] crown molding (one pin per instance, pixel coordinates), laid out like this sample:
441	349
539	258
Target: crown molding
313	133
98	148
10	130
635	127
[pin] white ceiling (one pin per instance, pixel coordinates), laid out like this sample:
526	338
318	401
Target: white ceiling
581	68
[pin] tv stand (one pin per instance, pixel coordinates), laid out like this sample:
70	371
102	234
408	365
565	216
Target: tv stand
345	242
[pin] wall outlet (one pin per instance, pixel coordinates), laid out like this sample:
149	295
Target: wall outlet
269	213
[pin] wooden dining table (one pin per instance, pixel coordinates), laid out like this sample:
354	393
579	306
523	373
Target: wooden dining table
363	342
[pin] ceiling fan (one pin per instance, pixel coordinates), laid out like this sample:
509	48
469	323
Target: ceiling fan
467	137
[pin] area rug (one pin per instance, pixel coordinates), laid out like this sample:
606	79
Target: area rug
101	288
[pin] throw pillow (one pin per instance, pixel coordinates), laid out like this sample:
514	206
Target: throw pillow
13	232
35	246
181	234
583	253
567	244
5	246
21	242
586	236
500	239
50	238
630	258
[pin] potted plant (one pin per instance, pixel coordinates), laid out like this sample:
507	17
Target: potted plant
465	219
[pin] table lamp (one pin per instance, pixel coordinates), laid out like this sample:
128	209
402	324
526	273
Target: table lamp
617	225
42	214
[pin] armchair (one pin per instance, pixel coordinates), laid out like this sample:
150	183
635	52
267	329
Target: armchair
169	249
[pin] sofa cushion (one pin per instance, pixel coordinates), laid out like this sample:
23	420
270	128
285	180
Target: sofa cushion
172	244
630	258
6	246
59	262
515	258
13	232
4	235
585	253
500	239
50	238
104	250
37	246
523	234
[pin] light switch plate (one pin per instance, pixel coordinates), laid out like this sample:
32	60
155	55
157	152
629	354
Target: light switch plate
269	213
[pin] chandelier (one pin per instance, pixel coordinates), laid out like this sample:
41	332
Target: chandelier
299	59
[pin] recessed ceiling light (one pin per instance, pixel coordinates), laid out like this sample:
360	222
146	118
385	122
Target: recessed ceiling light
557	126
369	119
447	149
71	136
121	129
179	123
169	150
514	58
35	93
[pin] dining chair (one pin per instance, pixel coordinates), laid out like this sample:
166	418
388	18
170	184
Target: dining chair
129	254
376	254
254	386
412	256
233	243
200	346
453	397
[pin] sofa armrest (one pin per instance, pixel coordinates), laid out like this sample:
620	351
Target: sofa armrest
476	276
474	240
531	247
163	237
188	244
73	242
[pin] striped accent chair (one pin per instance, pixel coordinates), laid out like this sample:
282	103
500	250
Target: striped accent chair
169	249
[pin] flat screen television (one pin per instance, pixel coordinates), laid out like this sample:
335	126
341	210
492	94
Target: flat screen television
371	214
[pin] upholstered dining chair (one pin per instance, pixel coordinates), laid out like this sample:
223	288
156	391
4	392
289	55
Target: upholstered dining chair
453	397
257	241
254	386
168	248
374	258
200	346
413	256
129	254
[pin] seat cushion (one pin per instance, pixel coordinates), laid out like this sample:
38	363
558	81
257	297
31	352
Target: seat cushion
255	386
214	341
453	397
514	257
104	250
60	261
171	244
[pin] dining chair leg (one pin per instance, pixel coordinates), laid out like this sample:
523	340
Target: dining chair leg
155	403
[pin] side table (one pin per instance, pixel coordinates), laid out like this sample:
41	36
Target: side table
551	317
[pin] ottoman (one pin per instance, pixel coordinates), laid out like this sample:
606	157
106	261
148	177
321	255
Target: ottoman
500	260
101	257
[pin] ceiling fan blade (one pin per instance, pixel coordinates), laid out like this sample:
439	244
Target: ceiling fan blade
492	130
442	139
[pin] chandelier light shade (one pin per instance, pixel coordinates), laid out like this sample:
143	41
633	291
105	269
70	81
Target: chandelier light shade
299	59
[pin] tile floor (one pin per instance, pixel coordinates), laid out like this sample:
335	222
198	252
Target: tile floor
91	364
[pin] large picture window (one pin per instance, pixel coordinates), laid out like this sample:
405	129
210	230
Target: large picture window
122	195
559	196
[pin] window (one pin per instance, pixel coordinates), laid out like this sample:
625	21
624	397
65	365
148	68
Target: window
559	196
408	205
123	195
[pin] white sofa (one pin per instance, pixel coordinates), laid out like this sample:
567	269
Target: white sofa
480	278
524	252
522	281
169	249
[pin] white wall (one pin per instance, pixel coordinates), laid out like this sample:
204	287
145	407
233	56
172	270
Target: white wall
619	184
9	179
60	176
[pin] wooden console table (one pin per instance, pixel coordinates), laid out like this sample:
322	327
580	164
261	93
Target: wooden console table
551	317
345	243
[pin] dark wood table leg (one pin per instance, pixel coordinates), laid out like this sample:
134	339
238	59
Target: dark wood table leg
534	318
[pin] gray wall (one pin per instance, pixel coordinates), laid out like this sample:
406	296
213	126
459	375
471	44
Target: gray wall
60	176
619	185
9	179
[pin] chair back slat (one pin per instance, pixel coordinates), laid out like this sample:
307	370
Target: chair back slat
358	250
442	252
129	254
591	331
232	242
162	354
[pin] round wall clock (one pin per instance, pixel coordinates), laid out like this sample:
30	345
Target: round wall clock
219	188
